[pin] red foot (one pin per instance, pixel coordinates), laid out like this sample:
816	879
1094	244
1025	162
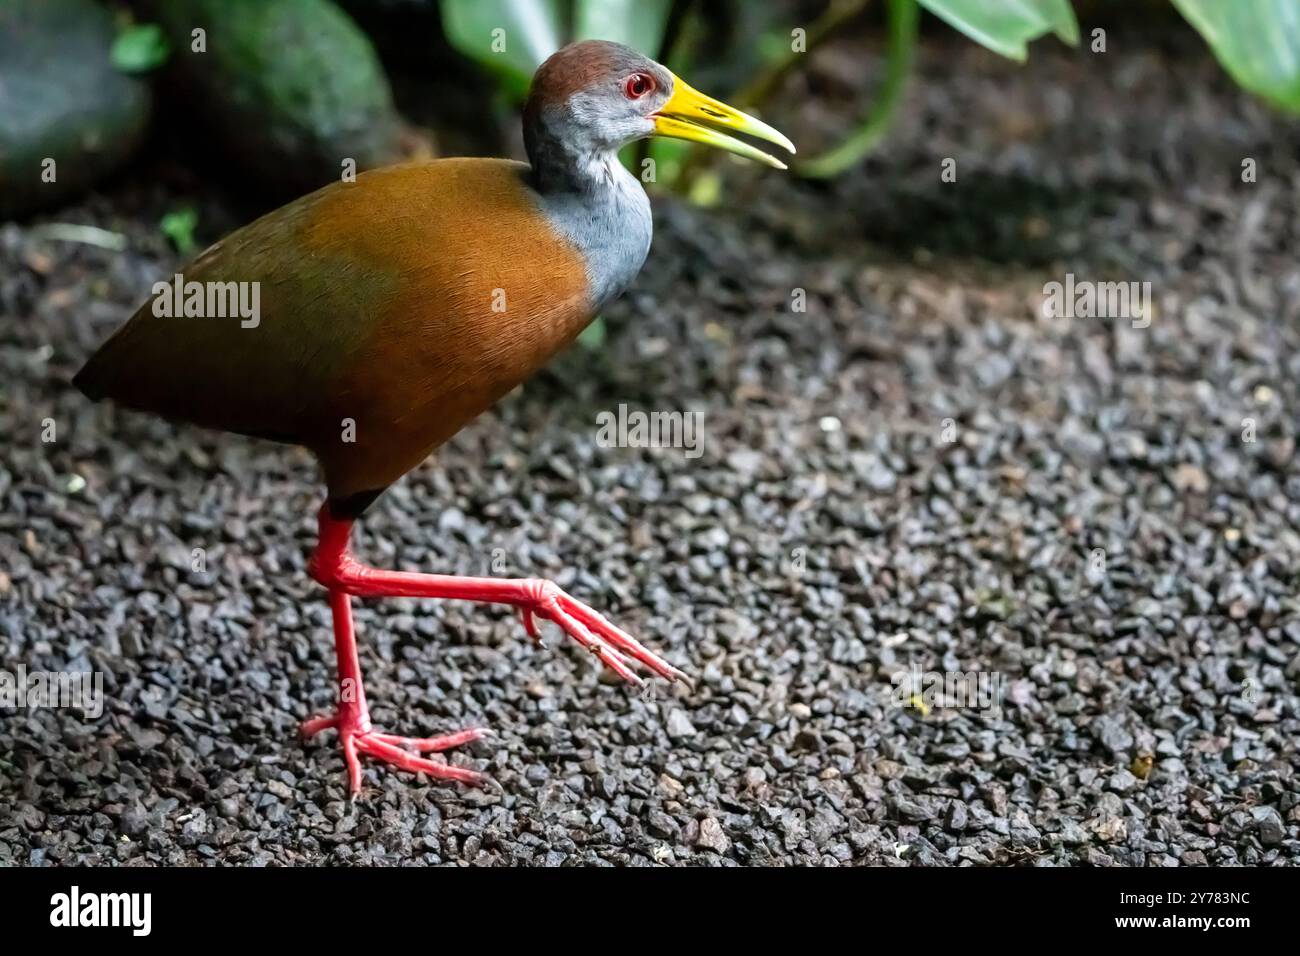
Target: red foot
345	577
339	571
359	739
607	641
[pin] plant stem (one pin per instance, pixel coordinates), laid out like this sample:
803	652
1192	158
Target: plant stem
667	54
903	18
837	14
673	30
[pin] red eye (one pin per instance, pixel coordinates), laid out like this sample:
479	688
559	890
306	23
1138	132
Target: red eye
638	85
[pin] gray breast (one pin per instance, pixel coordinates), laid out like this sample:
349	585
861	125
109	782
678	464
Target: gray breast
610	225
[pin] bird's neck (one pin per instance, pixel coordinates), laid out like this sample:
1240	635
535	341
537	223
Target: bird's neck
560	166
599	206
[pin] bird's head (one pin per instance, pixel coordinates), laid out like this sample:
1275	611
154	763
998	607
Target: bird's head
596	97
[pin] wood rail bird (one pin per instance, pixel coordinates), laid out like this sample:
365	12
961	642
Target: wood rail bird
394	309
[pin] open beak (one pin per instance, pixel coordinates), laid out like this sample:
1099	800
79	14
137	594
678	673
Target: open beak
691	115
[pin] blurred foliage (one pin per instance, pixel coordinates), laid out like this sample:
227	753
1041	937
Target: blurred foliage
903	16
512	37
638	23
289	86
296	84
509	37
594	335
67	116
139	48
1004	26
178	226
1257	41
1007	26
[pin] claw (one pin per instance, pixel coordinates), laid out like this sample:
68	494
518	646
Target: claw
345	577
530	625
604	653
593	631
622	640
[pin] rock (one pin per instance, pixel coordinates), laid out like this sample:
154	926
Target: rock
1122	781
134	820
671	787
1236	752
956	750
909	809
679	726
711	836
288	88
61	99
1113	735
1190	478
1072	834
661	824
1109	829
1268	822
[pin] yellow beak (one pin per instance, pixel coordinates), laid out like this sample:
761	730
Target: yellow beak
691	115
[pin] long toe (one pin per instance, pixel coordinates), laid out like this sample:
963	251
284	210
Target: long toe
428	745
373	746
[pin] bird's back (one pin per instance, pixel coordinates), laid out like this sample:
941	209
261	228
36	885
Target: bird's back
392	311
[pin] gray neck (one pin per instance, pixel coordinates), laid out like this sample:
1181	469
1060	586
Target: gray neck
594	202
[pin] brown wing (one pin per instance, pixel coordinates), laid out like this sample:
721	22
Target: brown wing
393	310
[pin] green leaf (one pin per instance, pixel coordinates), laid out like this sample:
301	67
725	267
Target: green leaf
639	24
139	48
509	37
1006	26
592	338
1257	41
706	191
670	157
513	37
178	226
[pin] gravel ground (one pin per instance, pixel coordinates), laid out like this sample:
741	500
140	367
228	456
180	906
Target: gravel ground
1090	527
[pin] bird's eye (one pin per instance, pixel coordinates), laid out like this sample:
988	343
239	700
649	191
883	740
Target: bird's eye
638	85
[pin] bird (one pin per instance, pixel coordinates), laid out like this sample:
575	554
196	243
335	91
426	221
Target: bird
388	310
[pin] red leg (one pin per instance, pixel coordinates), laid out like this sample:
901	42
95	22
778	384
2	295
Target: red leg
335	568
352	719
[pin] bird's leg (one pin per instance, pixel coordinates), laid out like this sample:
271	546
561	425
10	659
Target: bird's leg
352	719
333	566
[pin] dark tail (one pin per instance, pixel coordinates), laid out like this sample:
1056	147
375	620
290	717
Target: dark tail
89	382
